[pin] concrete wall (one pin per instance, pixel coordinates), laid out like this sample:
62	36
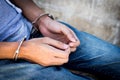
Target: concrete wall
98	17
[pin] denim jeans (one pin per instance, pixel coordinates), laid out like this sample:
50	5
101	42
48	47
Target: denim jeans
93	56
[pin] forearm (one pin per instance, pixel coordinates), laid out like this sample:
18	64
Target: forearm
29	8
7	49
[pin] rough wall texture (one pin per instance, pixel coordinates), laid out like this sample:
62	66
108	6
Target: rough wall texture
98	17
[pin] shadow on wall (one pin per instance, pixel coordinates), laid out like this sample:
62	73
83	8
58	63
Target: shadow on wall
98	17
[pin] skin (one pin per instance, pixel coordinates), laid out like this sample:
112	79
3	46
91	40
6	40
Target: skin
48	50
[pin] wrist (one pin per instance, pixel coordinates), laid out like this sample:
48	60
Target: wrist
16	54
23	51
11	49
26	50
42	19
7	49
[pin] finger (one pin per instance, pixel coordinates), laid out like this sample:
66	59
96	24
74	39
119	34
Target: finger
68	33
74	35
60	53
68	51
55	43
73	49
77	43
74	44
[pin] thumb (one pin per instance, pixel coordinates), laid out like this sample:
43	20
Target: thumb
66	31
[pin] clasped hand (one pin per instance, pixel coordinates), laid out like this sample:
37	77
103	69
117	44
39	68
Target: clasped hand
55	47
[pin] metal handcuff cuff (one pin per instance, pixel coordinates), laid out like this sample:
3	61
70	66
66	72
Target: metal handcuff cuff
41	15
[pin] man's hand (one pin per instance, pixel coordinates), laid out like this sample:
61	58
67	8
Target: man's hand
53	29
45	51
47	26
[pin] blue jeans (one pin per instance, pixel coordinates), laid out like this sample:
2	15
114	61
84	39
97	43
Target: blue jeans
93	56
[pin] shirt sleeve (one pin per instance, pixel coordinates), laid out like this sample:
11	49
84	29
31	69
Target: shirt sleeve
15	7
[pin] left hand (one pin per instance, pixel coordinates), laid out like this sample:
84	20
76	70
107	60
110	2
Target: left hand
53	29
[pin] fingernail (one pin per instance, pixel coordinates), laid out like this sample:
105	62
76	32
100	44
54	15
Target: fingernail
66	46
73	40
71	44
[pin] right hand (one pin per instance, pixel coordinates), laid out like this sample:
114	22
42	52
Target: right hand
45	51
58	31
